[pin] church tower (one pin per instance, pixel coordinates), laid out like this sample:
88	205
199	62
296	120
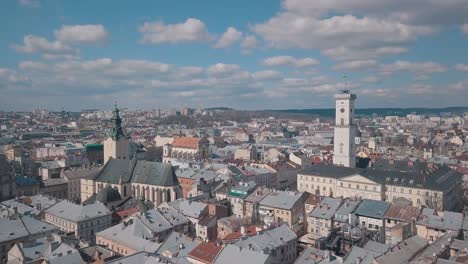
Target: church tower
117	146
344	134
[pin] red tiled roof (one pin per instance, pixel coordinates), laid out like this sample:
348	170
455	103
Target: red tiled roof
205	252
186	142
125	213
402	212
251	231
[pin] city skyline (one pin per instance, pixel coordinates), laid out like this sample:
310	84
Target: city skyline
262	55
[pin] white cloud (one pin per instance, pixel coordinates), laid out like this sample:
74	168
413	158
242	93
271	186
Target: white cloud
464	28
223	69
266	75
82	34
289	61
463	85
229	37
249	42
289	30
421	70
356	65
35	44
30	3
192	30
345	53
461	67
429	12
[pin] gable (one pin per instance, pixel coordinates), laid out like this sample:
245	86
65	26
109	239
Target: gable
358	178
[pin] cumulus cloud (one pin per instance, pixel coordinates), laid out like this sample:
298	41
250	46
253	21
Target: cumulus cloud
35	44
249	42
266	75
461	67
81	34
289	30
464	28
229	37
192	30
421	70
356	65
30	3
358	29
289	61
428	12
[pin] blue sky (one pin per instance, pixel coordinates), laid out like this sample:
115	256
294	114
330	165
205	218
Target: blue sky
242	54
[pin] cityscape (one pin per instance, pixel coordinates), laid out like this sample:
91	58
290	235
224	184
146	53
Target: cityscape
216	132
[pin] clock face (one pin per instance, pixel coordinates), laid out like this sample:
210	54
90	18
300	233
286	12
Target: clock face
342	110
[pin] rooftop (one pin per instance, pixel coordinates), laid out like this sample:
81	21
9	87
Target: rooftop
372	208
205	252
282	199
77	213
443	220
327	208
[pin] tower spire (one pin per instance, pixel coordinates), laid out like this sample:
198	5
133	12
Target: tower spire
117	124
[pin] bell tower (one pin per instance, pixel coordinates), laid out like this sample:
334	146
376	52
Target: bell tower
116	146
344	133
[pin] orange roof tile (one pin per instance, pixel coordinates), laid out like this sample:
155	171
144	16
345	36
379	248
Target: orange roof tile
186	142
205	252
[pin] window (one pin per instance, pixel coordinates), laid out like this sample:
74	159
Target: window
375	189
365	187
410	191
402	190
357	186
349	185
341	184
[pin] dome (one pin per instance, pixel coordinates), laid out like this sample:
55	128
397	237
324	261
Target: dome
108	194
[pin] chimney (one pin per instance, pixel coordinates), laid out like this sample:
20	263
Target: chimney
243	230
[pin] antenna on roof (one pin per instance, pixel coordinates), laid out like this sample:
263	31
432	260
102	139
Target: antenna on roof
345	90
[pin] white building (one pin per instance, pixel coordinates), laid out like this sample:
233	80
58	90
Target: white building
343	154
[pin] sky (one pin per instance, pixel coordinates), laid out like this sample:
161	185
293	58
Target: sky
244	54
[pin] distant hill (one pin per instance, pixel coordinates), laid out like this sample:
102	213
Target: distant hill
378	111
221	108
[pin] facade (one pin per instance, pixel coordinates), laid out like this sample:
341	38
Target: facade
73	178
189	148
369	215
154	181
343	154
83	221
117	146
284	207
320	220
420	184
400	223
7	180
431	225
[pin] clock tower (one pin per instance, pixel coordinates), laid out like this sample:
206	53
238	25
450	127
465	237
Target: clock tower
343	154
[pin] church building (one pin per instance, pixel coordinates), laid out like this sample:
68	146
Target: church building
131	177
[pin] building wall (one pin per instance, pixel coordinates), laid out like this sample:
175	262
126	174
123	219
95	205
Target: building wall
119	149
83	229
88	188
115	246
317	185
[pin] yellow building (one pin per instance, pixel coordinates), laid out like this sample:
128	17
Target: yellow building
419	184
